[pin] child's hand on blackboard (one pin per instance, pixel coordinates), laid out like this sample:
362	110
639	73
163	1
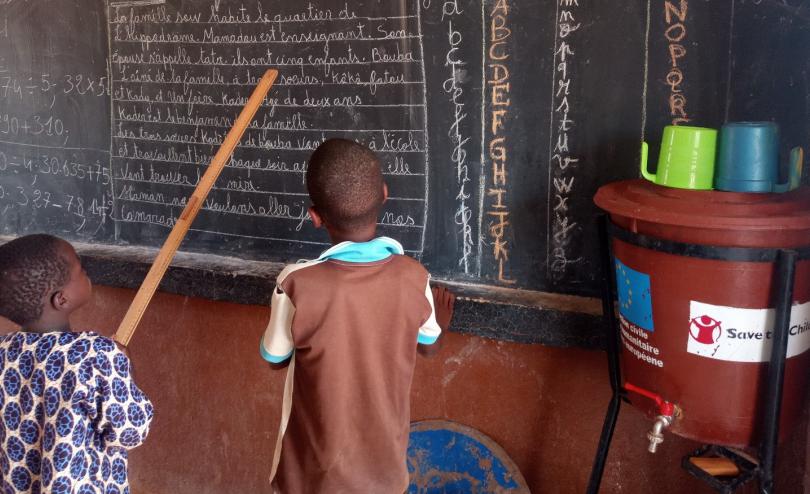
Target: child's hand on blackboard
443	301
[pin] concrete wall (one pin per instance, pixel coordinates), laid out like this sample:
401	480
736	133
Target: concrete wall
217	405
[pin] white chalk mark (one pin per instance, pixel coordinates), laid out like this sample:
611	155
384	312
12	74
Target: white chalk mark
65	148
253	127
460	358
108	68
279	105
551	139
282	21
256	237
277	239
178	204
277	84
275	64
247	191
252	169
646	74
425	116
136	3
482	178
244	145
253	43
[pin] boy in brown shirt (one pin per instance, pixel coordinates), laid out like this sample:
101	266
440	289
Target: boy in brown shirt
350	321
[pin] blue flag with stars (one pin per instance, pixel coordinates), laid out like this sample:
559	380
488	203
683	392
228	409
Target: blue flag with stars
635	300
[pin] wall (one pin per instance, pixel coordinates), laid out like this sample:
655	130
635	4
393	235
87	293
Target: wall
217	405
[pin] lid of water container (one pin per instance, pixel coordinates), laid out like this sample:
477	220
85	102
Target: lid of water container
644	201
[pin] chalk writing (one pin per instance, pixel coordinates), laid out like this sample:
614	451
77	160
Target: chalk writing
498	88
32	88
180	78
562	162
675	33
454	87
54	174
27	189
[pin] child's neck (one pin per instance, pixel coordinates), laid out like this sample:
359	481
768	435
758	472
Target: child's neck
363	234
48	323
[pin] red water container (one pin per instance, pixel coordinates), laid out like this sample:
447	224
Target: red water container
696	302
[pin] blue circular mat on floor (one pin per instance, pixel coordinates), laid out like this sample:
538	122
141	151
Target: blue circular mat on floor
449	458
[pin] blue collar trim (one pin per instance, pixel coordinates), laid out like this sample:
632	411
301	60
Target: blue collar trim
374	250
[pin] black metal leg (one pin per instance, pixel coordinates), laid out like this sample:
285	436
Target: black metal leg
614	371
785	275
604	444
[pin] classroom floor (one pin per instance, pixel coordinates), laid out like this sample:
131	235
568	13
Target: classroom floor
217	405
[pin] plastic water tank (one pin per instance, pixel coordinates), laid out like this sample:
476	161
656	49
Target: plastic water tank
694	277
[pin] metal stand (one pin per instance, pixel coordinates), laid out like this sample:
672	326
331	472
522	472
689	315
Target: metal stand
614	371
785	276
783	294
724	485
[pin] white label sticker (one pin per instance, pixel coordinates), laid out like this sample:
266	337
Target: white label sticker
743	335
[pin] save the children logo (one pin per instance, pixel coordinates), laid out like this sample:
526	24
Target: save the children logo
741	334
705	329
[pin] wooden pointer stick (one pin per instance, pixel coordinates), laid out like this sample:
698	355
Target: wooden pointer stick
195	202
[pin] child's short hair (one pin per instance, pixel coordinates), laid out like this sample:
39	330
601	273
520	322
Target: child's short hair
345	183
31	267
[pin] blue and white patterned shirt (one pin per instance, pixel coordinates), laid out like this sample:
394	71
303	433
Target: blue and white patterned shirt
70	411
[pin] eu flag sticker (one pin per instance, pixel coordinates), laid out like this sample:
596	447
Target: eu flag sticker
635	300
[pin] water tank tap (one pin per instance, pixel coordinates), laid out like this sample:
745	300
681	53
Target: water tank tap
666	413
655	435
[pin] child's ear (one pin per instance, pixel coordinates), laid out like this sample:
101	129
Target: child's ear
317	221
385	192
59	301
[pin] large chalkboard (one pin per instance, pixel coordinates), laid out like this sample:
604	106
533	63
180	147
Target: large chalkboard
495	120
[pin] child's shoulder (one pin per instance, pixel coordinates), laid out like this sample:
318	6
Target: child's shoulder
402	261
100	342
298	266
97	341
102	349
58	350
409	262
45	342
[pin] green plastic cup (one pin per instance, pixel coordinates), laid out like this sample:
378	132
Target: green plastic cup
686	160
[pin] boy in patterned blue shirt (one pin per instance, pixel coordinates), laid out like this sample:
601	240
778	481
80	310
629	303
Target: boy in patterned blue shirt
70	409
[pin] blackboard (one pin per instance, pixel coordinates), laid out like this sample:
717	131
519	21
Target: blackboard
773	82
495	120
